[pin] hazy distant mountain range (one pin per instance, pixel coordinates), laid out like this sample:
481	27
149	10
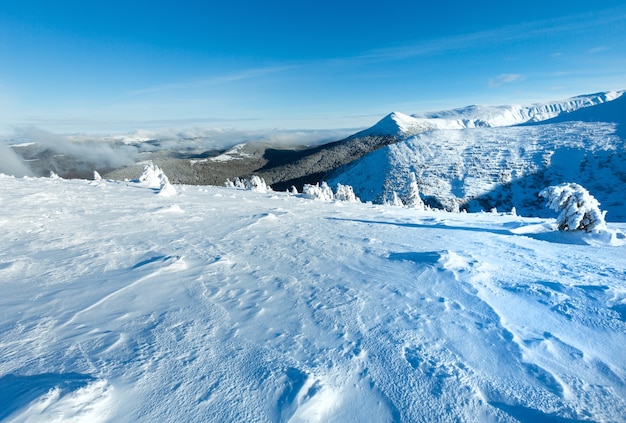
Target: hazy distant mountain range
473	158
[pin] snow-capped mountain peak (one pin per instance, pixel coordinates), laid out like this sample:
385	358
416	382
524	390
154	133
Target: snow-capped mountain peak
480	116
481	157
399	124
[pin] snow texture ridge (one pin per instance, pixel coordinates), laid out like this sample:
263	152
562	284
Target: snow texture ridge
221	304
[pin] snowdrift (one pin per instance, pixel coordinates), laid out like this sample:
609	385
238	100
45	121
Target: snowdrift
220	304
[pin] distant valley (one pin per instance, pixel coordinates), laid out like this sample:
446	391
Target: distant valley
474	158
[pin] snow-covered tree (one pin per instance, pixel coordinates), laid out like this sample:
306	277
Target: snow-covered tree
346	193
327	190
413	199
165	188
239	183
318	192
579	210
256	183
154	177
395	200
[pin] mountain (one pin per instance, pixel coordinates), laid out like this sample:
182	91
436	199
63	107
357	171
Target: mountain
496	116
473	158
282	168
122	304
481	165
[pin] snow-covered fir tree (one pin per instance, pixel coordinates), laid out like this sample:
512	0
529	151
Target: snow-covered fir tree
346	193
394	200
256	183
579	210
318	191
413	199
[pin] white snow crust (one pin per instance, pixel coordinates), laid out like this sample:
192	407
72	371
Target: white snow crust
219	304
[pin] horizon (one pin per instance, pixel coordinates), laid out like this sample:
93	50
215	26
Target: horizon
117	68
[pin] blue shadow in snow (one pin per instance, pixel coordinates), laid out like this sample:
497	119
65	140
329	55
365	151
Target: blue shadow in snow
18	391
555	237
429	257
530	415
427	226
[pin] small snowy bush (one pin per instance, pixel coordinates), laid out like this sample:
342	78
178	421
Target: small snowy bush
346	193
580	211
154	177
394	200
257	183
240	183
318	192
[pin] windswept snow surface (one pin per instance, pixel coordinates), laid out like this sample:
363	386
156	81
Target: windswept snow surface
220	304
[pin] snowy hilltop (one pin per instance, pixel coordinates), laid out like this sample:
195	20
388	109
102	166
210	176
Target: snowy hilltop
472	158
399	124
120	304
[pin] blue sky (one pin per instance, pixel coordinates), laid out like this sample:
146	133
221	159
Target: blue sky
80	66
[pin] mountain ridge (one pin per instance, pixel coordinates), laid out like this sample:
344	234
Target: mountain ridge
478	116
481	168
467	180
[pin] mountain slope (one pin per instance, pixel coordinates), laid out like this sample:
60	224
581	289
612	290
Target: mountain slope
215	304
504	167
497	116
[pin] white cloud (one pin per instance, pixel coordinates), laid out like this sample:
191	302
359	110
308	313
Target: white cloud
88	149
119	150
234	76
598	49
505	78
11	164
527	30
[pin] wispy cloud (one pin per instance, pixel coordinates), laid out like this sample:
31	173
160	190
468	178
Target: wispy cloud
238	75
11	163
598	49
505	78
528	30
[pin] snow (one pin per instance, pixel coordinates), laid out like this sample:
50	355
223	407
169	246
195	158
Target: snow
475	159
234	153
482	168
487	116
221	304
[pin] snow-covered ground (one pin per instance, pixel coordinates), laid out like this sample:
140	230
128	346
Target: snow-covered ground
215	304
